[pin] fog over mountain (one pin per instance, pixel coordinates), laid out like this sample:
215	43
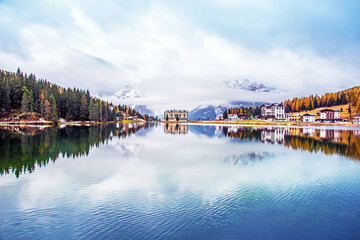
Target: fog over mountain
178	53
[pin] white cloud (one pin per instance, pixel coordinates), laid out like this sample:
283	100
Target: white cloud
174	61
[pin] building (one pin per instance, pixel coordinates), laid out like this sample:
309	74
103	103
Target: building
176	115
330	114
274	111
356	119
308	117
295	117
233	117
219	117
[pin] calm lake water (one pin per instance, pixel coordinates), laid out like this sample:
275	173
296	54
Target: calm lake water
141	181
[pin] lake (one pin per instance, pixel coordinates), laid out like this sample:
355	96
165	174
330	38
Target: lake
156	181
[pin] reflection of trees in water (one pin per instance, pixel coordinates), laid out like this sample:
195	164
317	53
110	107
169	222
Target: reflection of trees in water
327	141
21	149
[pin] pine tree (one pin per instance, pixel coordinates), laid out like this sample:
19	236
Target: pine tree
84	111
47	107
4	96
54	114
25	101
92	111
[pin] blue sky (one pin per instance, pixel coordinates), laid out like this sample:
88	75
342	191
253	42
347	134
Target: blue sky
185	47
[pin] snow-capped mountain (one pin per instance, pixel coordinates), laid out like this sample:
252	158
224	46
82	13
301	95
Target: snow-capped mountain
128	92
244	85
143	109
210	112
206	113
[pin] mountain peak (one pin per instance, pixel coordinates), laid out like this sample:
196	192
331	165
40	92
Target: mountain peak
128	92
244	84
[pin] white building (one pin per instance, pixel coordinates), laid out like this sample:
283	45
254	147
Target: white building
233	117
308	117
219	117
275	111
356	119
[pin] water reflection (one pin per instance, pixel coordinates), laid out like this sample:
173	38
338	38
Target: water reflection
212	183
327	141
23	148
175	128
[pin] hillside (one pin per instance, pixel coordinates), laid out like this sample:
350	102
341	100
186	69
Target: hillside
344	113
23	97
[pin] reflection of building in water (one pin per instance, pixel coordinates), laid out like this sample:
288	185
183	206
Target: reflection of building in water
233	129
294	131
330	134
274	135
176	128
309	131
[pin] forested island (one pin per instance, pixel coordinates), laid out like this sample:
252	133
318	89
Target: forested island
23	97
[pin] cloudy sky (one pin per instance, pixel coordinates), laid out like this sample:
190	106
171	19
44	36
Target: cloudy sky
177	52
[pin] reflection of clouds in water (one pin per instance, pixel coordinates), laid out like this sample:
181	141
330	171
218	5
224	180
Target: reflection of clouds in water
126	149
184	163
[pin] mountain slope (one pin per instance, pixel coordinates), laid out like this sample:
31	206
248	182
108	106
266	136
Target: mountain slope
244	85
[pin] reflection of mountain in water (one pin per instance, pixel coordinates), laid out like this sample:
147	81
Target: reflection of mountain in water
22	149
128	149
246	158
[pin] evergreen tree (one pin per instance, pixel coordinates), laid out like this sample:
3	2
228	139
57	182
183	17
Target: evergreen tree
4	96
25	101
54	114
92	111
84	108
47	107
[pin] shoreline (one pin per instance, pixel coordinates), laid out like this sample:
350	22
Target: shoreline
72	123
261	123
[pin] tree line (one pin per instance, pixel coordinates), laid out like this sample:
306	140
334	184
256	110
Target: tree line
349	96
29	95
24	149
243	111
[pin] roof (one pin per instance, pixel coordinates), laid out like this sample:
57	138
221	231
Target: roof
274	104
328	109
309	115
357	116
174	110
295	115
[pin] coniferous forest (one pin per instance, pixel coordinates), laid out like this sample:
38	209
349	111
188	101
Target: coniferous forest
29	96
349	96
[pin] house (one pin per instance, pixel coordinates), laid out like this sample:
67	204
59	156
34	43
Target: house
176	115
308	117
329	114
219	117
274	111
295	117
356	119
241	116
233	117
